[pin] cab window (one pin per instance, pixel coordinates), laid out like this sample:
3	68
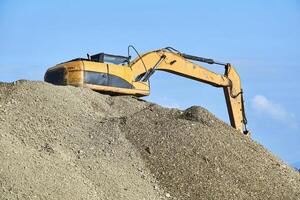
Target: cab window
112	59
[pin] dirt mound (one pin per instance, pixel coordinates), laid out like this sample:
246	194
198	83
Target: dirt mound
72	143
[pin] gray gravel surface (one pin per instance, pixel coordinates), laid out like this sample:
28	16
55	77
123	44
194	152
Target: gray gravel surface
62	142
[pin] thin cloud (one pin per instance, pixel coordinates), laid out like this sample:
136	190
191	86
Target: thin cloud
274	110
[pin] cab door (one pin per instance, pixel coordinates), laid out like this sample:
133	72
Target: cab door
96	73
119	76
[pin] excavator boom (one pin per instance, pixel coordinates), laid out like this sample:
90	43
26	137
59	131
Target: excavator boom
172	61
117	75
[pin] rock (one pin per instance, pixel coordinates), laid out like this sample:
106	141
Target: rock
148	150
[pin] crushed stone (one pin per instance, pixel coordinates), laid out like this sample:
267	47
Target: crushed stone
63	142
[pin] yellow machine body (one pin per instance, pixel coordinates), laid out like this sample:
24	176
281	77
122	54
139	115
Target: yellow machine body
108	78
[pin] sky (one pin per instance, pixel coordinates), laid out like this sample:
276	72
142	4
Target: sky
260	38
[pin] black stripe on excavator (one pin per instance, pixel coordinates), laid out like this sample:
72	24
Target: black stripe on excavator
56	76
98	78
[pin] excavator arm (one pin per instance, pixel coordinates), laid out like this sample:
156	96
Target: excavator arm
170	60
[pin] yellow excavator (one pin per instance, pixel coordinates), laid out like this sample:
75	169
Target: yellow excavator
118	75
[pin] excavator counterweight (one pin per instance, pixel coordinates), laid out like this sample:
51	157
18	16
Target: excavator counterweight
118	75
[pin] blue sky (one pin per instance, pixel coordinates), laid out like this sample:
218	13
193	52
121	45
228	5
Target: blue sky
260	38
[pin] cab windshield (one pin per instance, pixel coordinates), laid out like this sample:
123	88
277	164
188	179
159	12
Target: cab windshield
107	58
117	60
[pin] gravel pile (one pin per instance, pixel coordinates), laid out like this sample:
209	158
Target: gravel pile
62	142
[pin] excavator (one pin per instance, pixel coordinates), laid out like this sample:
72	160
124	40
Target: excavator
119	75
